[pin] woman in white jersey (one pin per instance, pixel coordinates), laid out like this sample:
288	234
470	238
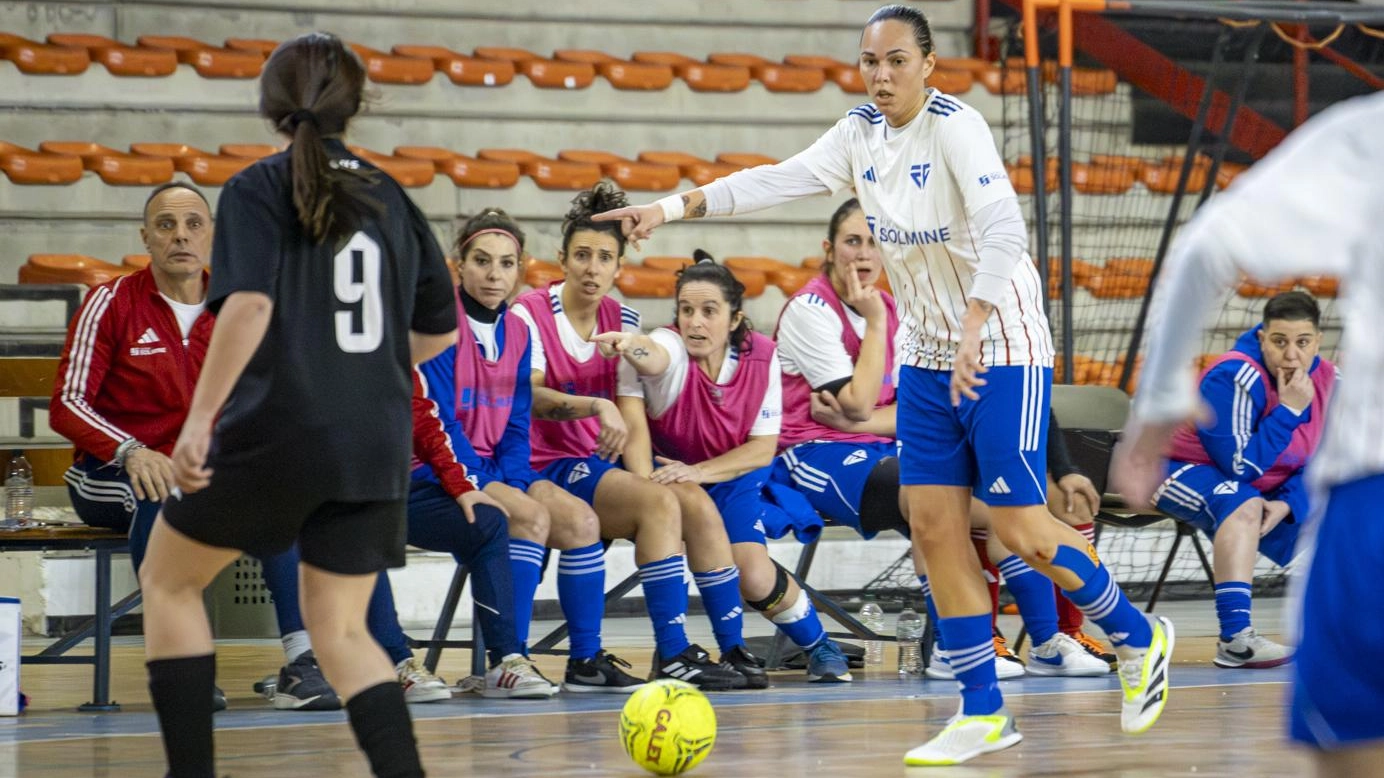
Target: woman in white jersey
712	395
839	427
933	187
585	406
1277	223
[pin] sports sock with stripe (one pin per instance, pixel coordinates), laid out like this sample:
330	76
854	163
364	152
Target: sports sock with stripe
720	590
581	592
1033	592
973	662
800	623
665	596
1232	607
1100	598
526	568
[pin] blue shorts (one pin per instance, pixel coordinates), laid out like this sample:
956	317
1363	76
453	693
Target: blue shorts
484	472
741	503
832	476
1202	496
1336	700
578	475
996	446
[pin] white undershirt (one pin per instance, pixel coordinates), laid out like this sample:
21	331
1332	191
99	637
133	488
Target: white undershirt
186	313
484	334
575	345
664	389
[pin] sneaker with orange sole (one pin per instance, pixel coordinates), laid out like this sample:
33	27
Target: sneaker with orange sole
1004	655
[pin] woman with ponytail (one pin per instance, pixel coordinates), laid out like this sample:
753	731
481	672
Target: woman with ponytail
328	285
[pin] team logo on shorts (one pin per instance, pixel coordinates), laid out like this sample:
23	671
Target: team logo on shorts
579	471
1227	487
855	457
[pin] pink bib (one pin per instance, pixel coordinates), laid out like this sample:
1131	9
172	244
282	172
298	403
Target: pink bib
485	389
708	419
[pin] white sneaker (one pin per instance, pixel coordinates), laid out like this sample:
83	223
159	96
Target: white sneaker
1061	655
419	684
965	738
1145	680
1250	650
939	668
516	677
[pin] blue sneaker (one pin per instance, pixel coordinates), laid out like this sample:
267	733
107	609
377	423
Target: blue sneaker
826	664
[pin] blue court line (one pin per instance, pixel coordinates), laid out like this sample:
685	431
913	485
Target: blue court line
789	689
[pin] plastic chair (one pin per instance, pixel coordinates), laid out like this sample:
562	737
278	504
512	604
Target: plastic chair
1133	165
136	261
463	70
642	281
114	167
25	166
547	173
1162	176
666	263
1228	172
539	273
465	171
249	150
699	76
774	270
209	61
1254	289
695	169
68	269
629	174
385	68
119	59
843	74
795	278
202	167
1321	286
755	281
1101	180
744	160
622	74
953	82
42	59
407	171
775	76
263	46
1011	81
1021	177
542	72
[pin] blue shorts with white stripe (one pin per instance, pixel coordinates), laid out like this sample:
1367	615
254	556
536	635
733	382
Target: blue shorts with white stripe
832	476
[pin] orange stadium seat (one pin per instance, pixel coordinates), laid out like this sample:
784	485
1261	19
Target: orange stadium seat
136	261
971	64
622	74
1162	176
642	281
744	160
844	74
385	68
1021	176
1254	289
776	272
1321	286
1000	81
539	273
263	46
120	59
755	281
1204	361
542	72
814	263
463	70
775	76
699	76
36	58
1228	172
1085	81
407	171
695	169
251	150
794	279
202	167
1100	179
953	82
68	269
547	173
1134	165
114	167
208	61
629	174
25	166
669	264
465	171
1123	278
1082	273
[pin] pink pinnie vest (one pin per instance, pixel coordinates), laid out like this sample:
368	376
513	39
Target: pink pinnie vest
798	425
708	419
1186	445
596	377
485	389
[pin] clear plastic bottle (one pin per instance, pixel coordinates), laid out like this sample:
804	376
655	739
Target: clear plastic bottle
872	617
19	491
909	634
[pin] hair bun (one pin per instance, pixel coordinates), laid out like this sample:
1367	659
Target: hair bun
699	256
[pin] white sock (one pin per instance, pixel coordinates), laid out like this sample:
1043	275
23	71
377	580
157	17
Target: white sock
296	644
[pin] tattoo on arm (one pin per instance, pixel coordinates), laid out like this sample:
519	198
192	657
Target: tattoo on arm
562	412
639	353
697	212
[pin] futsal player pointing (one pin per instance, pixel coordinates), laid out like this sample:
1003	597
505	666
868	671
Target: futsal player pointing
326	276
976	358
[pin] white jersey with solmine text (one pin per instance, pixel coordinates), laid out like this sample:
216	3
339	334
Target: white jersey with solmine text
919	186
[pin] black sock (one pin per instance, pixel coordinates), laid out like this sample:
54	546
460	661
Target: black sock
384	731
182	689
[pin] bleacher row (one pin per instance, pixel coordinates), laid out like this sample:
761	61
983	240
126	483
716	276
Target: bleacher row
160	55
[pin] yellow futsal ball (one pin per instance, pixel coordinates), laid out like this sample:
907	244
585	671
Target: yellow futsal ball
668	727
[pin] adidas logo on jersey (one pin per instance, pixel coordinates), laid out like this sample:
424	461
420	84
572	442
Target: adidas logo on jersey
869	174
149	336
579	471
919	174
854	457
999	486
1227	487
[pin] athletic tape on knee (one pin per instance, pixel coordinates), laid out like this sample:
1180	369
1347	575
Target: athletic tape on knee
1083	565
795	612
776	594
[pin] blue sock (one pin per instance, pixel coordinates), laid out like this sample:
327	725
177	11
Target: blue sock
526	568
665	596
1102	601
383	622
721	597
973	662
931	611
1232	607
1033	592
800	623
581	591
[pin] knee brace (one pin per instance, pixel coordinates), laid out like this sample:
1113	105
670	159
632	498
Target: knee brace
776	594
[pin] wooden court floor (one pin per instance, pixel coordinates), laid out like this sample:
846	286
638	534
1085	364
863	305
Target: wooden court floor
1217	723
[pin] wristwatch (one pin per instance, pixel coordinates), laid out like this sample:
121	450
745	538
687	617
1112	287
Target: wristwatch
123	450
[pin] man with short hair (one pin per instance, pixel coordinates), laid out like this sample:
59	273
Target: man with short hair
1238	476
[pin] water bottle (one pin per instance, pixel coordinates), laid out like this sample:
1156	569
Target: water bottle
19	491
872	616
909	634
